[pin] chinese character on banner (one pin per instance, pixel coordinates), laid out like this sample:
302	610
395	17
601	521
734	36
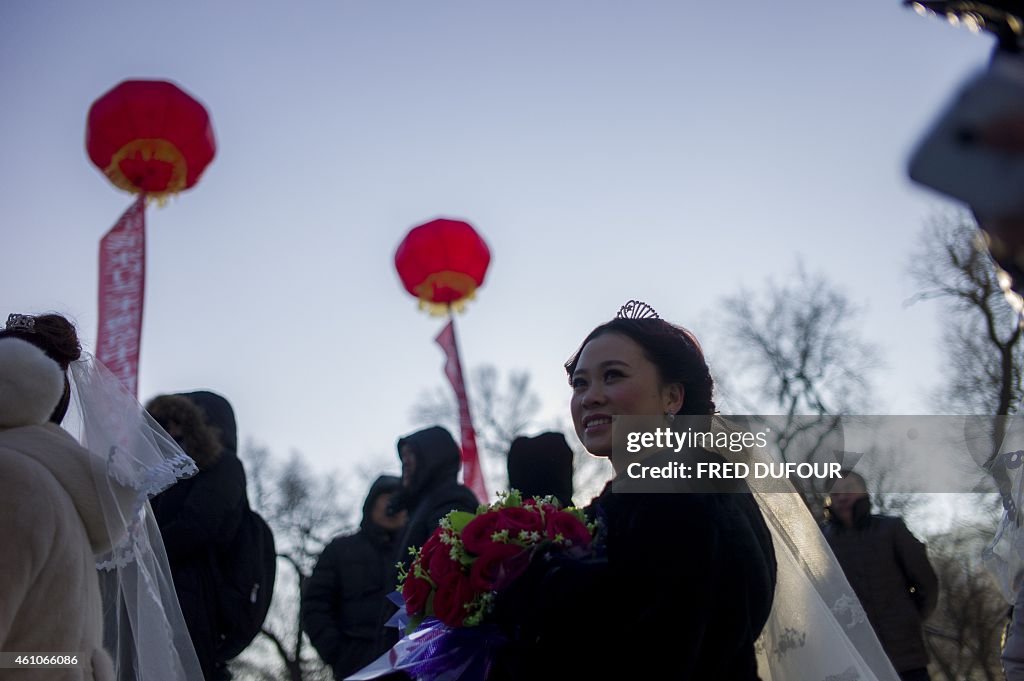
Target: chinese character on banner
122	287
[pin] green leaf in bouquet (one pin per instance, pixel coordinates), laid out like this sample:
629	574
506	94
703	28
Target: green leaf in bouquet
458	520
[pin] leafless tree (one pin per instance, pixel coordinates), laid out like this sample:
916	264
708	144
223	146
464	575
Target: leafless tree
983	337
795	350
985	376
964	634
305	511
501	411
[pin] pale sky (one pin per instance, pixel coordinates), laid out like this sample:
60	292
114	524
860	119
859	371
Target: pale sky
667	151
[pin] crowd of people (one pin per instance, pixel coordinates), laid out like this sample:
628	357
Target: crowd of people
134	545
683	581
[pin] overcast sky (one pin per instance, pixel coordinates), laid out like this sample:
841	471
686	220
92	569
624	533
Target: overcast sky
667	151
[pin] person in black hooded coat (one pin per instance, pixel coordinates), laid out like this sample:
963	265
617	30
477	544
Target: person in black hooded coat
430	486
540	466
342	598
200	515
430	489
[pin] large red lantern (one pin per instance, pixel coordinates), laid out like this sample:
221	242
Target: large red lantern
150	137
442	262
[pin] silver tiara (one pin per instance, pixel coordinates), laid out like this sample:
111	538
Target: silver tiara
637	309
21	322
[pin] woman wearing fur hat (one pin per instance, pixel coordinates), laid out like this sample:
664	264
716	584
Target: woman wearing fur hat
49	509
67	509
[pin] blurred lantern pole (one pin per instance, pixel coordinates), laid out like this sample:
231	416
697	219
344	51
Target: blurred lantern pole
152	139
442	263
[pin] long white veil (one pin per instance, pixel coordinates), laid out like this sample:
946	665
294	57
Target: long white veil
817	630
133	460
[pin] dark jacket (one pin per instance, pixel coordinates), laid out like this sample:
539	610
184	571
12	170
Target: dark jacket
680	588
434	490
197	517
540	466
341	600
889	571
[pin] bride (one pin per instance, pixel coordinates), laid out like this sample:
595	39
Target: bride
717	582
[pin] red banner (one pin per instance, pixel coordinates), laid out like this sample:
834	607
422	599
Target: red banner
472	475
122	285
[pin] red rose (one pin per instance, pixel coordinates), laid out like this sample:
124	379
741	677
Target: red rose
452	595
518	519
415	592
476	535
497	566
433	544
440	563
573	532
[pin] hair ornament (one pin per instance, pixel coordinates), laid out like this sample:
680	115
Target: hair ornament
21	322
637	309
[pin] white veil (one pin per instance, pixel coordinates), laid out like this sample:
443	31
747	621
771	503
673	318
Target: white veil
817	630
134	459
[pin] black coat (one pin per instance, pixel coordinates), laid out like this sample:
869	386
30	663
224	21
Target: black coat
681	587
197	518
889	571
341	601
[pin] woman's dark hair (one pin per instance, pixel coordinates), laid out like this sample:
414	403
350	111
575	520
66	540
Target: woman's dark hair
55	336
673	350
186	423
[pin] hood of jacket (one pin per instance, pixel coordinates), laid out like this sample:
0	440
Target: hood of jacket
72	466
385	484
438	459
220	415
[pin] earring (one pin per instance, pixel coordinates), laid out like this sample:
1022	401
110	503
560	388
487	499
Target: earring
670	417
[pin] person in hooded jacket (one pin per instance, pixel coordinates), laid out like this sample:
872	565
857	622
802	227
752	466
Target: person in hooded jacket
430	488
341	600
201	515
541	466
889	571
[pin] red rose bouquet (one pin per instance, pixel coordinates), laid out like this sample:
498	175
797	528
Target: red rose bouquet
449	589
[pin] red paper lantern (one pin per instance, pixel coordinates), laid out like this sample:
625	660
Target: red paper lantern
149	136
442	262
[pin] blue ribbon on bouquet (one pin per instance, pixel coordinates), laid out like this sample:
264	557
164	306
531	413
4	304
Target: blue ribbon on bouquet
435	651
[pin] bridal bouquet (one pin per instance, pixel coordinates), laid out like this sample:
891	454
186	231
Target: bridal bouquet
450	587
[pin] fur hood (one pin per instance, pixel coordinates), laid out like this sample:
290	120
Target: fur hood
31	384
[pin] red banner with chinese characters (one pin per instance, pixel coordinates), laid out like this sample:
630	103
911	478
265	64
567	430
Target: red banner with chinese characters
122	286
472	475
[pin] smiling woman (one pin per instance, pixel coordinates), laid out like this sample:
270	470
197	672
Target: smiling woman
684	582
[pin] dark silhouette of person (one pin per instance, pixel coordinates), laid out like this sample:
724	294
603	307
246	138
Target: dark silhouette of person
541	466
341	600
201	515
889	571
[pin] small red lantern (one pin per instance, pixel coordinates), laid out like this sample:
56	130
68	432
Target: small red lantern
442	262
149	136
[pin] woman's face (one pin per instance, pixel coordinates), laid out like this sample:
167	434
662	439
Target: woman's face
613	377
